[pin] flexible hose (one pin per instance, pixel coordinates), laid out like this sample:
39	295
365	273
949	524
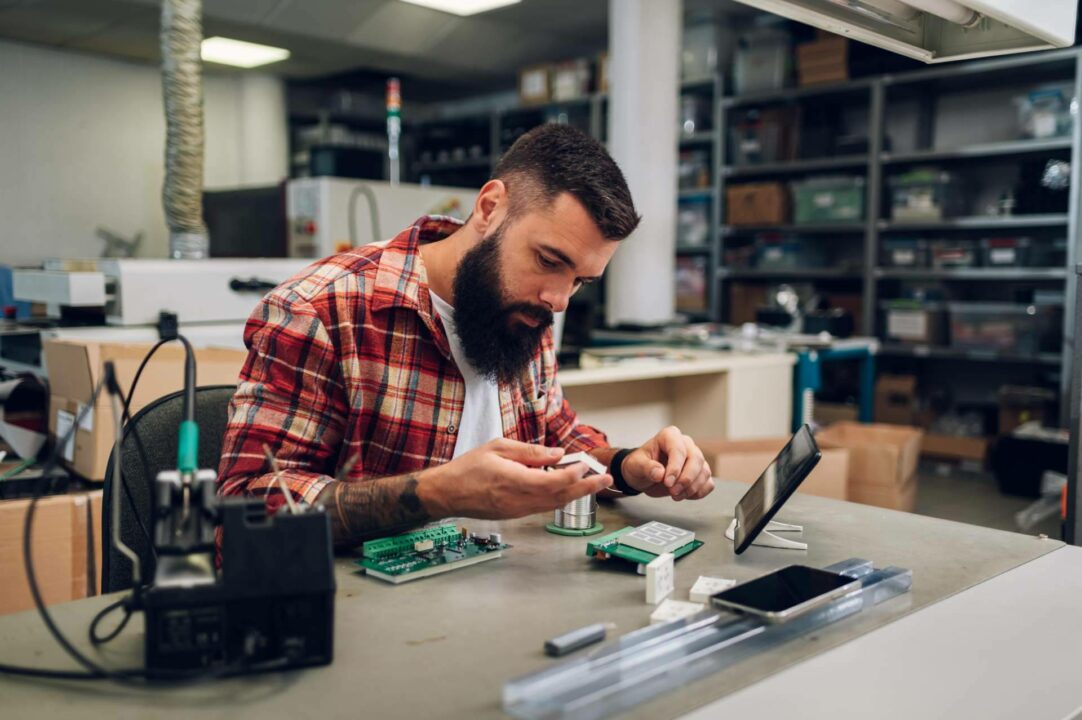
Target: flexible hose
182	91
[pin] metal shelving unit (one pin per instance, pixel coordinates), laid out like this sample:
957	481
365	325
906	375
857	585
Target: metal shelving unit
980	150
922	88
1013	222
975	274
796	167
820	229
791	273
942	353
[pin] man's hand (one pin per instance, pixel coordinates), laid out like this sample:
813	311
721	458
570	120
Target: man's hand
503	479
670	463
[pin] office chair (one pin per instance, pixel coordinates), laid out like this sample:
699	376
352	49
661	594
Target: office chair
156	425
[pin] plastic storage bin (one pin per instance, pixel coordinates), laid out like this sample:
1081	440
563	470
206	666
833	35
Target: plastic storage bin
763	61
1005	252
948	254
924	194
905	253
909	321
828	200
998	327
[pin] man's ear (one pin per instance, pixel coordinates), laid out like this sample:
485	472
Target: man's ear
491	204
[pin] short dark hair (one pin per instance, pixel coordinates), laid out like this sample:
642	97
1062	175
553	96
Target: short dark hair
553	159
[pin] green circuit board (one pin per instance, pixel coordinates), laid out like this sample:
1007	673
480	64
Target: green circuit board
426	552
607	546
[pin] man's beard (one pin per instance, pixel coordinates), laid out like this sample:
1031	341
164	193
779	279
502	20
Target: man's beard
498	345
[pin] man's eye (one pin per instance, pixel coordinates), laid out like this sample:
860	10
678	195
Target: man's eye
547	263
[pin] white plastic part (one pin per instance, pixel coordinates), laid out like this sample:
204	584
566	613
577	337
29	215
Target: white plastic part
670	610
946	9
596	468
659	578
657	537
945	30
705	586
767	538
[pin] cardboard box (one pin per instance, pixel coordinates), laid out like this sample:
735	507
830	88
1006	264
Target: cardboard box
826	60
1019	405
75	366
955	447
745	460
744	300
534	84
66	550
829	413
902	498
757	204
896	399
882	461
570	80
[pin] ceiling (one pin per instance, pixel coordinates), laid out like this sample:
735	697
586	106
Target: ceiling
354	41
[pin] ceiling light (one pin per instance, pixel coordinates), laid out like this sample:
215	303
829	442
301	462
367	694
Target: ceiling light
239	53
463	7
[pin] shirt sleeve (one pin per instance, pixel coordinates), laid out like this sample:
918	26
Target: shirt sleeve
291	399
562	426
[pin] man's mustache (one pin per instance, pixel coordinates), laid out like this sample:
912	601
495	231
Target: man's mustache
541	315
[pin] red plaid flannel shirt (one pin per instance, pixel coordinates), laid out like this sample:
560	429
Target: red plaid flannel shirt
348	363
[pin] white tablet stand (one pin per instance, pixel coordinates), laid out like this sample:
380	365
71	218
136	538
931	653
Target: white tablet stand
767	538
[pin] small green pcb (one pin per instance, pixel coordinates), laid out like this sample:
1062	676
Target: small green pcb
609	545
430	551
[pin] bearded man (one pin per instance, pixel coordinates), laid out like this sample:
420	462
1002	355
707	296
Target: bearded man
414	379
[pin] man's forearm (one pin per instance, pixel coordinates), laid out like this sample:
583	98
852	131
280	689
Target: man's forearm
364	510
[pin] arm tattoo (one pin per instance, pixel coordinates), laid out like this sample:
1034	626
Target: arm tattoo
361	511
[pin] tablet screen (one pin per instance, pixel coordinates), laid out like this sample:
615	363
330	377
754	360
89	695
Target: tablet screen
780	479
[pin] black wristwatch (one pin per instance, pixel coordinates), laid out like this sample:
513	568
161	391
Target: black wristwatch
616	470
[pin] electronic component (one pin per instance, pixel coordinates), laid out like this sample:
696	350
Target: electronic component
659	578
613	546
572	641
655	537
670	610
777	483
595	466
786	593
430	551
705	586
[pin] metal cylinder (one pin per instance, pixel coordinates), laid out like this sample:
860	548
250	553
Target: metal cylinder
578	514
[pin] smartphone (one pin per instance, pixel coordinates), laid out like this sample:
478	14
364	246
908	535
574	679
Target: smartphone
777	483
786	593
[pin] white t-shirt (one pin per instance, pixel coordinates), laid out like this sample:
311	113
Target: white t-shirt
481	419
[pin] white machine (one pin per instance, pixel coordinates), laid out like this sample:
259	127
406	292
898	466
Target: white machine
326	215
133	292
939	30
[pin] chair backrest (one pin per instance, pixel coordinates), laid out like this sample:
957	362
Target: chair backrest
154	428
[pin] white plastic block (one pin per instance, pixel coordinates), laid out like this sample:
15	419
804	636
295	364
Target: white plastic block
655	537
595	466
705	586
673	610
659	578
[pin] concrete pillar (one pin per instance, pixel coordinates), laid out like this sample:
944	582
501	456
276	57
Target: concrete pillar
644	48
264	146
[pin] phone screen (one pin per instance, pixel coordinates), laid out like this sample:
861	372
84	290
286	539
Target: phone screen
784	589
780	479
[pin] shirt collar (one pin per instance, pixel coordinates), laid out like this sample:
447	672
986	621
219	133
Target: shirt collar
401	280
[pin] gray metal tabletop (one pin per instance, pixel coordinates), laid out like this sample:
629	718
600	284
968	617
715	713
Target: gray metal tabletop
443	646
